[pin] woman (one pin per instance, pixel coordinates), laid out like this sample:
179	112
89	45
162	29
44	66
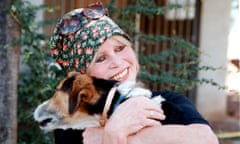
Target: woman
88	41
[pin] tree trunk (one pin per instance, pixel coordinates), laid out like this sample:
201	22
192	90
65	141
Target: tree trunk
9	59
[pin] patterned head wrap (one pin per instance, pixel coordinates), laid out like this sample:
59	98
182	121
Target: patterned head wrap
78	35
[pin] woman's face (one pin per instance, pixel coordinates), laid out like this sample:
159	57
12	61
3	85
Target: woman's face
114	61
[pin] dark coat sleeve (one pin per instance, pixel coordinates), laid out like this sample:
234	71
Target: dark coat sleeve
179	109
68	136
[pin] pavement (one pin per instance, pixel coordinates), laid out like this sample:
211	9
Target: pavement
227	129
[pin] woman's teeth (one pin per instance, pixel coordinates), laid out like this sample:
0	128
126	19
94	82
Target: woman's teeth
120	75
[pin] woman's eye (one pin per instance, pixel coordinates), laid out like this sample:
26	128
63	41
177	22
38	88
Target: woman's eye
120	48
100	59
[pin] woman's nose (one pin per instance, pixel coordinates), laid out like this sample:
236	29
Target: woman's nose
115	61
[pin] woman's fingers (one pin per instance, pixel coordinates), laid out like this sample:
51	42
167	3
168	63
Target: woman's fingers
151	122
156	115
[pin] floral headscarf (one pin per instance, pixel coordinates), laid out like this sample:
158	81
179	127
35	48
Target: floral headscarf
79	34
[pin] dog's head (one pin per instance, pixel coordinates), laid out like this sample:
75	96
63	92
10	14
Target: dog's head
69	106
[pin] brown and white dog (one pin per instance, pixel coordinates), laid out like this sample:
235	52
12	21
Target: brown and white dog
80	101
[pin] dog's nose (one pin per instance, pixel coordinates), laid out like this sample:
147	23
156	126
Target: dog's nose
45	122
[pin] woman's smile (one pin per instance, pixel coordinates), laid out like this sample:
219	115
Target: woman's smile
121	75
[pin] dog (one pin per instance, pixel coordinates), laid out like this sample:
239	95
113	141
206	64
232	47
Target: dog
82	101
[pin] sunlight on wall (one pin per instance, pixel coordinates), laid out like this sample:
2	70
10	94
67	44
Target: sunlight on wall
233	76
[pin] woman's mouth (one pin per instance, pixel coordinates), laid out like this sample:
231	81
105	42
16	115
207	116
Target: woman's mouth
120	75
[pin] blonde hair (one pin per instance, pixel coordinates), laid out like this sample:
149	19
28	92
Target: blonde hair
121	39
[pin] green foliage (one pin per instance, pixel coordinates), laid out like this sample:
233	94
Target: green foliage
37	76
181	77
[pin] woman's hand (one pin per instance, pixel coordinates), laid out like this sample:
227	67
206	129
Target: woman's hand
92	135
130	117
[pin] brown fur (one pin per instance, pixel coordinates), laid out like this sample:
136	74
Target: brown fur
70	102
82	92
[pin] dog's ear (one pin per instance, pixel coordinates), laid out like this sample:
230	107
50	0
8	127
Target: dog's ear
82	92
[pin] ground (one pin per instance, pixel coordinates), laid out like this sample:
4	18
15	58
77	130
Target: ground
228	129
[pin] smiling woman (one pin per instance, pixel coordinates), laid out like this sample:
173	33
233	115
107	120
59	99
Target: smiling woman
88	41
